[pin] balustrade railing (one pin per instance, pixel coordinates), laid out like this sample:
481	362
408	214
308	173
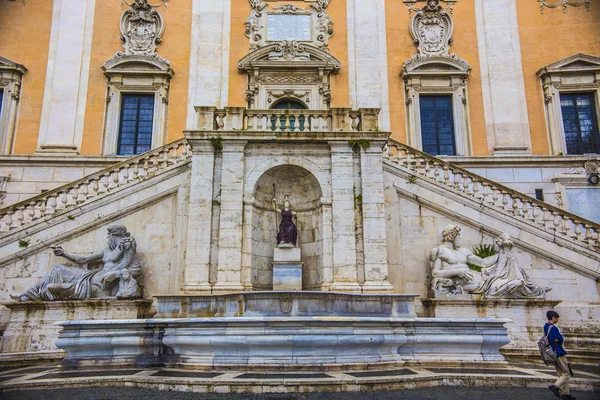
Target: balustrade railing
492	194
108	180
241	119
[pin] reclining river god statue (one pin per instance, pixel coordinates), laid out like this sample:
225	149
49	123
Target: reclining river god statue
67	282
500	276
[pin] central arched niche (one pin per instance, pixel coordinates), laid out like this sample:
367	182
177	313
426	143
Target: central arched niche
304	194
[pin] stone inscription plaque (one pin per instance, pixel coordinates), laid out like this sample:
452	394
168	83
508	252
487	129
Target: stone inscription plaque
288	27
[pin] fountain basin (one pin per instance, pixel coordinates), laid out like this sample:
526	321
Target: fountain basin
274	329
271	341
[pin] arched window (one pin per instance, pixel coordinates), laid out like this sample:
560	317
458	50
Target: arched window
287	104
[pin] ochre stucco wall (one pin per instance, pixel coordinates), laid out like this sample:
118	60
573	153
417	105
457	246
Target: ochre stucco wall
547	38
400	48
25	36
338	47
175	47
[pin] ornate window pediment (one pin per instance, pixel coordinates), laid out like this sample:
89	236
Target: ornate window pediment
579	73
576	63
11	77
288	55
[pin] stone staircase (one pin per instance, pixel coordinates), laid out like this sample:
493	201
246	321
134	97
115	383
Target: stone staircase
552	235
92	187
487	193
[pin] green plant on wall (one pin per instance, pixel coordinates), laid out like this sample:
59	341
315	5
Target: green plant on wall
217	143
482	251
24	243
411	179
356	145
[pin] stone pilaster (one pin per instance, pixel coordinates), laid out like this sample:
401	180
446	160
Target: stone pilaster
503	85
247	243
367	57
65	94
197	260
209	55
374	231
229	271
344	244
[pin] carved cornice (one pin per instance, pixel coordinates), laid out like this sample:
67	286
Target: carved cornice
574	64
7	65
123	63
289	54
436	65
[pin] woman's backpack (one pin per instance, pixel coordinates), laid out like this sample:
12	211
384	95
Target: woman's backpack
546	351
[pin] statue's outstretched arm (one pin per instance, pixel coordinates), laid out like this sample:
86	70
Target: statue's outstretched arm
78	258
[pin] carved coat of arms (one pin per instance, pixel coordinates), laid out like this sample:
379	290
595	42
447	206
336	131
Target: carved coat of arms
141	29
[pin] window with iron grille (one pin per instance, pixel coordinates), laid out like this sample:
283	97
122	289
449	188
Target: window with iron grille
135	130
580	122
437	125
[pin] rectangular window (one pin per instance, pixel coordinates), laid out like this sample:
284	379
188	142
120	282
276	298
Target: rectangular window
1	97
135	131
580	122
437	125
539	194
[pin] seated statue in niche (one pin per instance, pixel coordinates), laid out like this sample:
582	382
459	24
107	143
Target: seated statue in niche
66	282
500	276
288	233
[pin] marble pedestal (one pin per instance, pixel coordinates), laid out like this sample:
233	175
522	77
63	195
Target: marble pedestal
31	326
527	315
287	268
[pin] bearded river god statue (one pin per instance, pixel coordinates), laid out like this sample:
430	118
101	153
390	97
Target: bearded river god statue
65	282
500	276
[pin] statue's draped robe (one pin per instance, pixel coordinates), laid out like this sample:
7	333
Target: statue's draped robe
507	280
288	233
63	283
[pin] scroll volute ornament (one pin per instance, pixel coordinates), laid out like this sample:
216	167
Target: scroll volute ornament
431	28
142	28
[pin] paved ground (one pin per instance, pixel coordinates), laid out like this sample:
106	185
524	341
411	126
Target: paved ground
49	382
445	393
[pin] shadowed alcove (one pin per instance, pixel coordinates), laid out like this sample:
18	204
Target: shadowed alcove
304	194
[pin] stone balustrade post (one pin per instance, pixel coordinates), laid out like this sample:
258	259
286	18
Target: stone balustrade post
369	119
341	119
234	118
205	118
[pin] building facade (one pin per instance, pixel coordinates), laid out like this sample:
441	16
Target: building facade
521	109
491	107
